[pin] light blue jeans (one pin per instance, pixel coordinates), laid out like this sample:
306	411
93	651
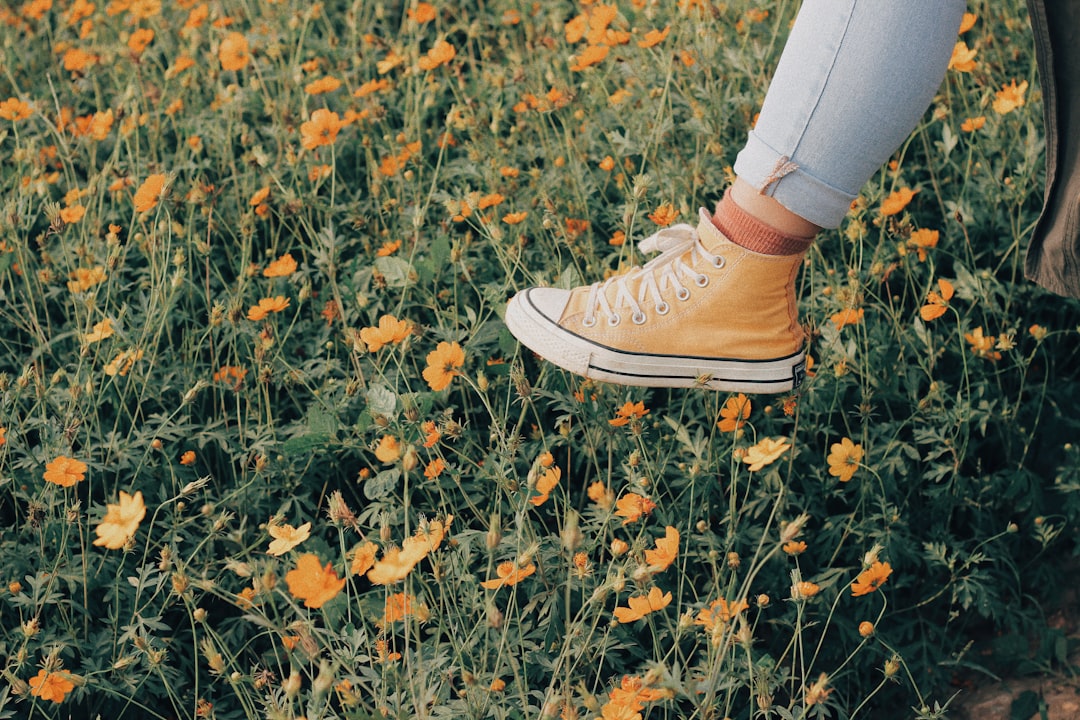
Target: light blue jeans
854	79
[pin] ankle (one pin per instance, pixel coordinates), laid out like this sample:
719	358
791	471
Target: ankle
765	227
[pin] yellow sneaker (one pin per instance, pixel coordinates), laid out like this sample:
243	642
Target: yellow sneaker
704	313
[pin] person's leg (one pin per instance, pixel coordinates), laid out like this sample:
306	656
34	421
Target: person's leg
717	308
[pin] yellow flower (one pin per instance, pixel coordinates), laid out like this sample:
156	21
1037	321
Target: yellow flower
641	605
388	450
844	458
963	59
1009	97
101	330
286	537
65	471
441	54
443	365
120	521
765	453
871	579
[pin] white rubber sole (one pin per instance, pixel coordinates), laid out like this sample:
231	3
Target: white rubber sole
582	356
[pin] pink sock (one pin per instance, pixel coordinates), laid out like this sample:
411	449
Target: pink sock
745	230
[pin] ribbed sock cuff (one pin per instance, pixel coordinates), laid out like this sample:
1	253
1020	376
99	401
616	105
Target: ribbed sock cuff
745	230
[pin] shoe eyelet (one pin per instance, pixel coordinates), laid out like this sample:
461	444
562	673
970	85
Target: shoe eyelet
613	320
588	322
638	318
701	280
683	294
718	262
662	308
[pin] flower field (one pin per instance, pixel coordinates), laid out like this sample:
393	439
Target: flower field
267	449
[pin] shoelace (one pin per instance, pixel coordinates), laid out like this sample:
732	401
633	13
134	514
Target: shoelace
655	277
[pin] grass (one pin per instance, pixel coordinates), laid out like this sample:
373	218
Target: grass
253	268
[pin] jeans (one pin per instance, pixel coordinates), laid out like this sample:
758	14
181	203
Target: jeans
854	79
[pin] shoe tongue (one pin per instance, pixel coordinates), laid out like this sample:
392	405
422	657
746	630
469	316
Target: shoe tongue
710	235
669	238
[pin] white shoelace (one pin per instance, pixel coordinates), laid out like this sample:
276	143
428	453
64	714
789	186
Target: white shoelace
662	273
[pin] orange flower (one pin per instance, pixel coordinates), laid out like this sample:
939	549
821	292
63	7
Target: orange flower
52	686
388	248
441	54
397	563
431	433
322	85
120	521
259	196
514	218
794	547
363	558
282	267
937	303
982	345
654	37
148	194
664	215
286	537
847	316
973	124
632	507
963	59
371	86
871	579
591	55
719	611
313	583
897	201
72	214
422	13
508	574
923	240
76	60
641	605
321	129
389	331
804	589
266	306
65	471
140	39
735	413
545	484
434	468
442	365
765	453
627	412
234	52
121	364
14	109
967	22
399	606
1009	97
667	549
100	331
844	458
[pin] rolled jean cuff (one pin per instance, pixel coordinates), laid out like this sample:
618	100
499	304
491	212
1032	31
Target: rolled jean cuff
774	175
